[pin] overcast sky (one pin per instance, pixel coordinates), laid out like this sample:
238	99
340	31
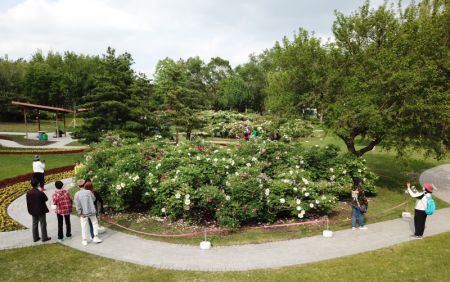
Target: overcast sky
152	30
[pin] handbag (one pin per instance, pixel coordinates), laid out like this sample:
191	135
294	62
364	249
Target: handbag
362	208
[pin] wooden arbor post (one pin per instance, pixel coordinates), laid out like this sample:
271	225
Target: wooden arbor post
25	119
65	130
57	127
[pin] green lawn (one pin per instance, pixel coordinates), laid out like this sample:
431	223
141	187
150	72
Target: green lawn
14	165
24	141
425	260
46	125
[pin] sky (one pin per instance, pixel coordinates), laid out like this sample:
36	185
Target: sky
153	30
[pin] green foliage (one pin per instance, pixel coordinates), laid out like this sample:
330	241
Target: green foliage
252	182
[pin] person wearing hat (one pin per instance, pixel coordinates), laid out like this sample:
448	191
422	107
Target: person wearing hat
359	204
84	203
420	216
38	171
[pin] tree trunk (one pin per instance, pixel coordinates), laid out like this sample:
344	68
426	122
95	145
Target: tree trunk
350	143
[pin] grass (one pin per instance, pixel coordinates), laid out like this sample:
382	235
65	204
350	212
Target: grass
46	125
24	141
75	143
424	260
14	165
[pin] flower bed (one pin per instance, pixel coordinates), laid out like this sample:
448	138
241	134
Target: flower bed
231	125
12	191
26	177
251	182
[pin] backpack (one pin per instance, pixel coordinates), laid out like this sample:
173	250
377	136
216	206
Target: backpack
431	206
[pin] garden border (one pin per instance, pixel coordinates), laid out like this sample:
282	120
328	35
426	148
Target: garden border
26	177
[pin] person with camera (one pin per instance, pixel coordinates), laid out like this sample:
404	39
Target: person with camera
420	216
38	171
359	204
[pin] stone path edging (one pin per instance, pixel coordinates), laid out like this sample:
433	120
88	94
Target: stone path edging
60	143
125	247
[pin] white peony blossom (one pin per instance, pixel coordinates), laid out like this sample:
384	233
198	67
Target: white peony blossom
249	164
295	189
291	172
305	181
331	169
298	201
299	208
227	198
333	177
163	210
311	205
198	158
302	162
154	189
177	195
267	192
317	202
300	215
344	172
254	159
177	171
187	196
215	159
359	170
282	200
187	202
122	185
307	194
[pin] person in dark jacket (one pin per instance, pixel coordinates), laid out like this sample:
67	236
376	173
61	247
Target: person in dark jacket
37	209
359	201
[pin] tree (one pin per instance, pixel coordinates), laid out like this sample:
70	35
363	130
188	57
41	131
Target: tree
109	102
12	76
234	93
215	71
388	79
254	76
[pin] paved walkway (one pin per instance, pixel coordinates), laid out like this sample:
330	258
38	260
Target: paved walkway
124	247
60	143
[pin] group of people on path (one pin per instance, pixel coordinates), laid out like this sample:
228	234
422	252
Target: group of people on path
424	206
86	202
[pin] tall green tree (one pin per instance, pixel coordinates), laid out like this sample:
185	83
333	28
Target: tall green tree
12	77
109	102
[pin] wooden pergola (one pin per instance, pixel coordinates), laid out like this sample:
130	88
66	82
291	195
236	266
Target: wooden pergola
56	110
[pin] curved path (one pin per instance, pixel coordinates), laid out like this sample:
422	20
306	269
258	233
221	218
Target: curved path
60	143
125	247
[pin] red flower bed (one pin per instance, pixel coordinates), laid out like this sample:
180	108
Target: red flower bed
27	177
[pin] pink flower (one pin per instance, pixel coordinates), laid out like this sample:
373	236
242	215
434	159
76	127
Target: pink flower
210	199
245	206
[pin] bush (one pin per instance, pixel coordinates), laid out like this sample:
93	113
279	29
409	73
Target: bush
250	182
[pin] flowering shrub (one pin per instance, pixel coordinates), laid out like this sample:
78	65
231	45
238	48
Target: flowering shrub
231	125
232	185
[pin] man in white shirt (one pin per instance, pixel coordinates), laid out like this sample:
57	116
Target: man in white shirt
38	171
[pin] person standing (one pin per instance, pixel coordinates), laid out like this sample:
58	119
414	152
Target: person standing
37	209
420	216
38	171
98	200
84	203
63	202
359	204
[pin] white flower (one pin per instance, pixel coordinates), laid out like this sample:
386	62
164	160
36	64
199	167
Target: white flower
299	208
249	164
122	185
317	202
331	169
297	166
311	205
236	173
136	178
359	170
189	154
333	177
177	195
208	159
177	171
291	172
254	159
267	192
227	184
187	202
187	196
198	158
260	185
150	174
282	200
344	172
118	187
317	145
285	181
300	215
295	189
227	167
147	193
305	181
163	210
227	198
298	201
215	159
154	189
307	194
